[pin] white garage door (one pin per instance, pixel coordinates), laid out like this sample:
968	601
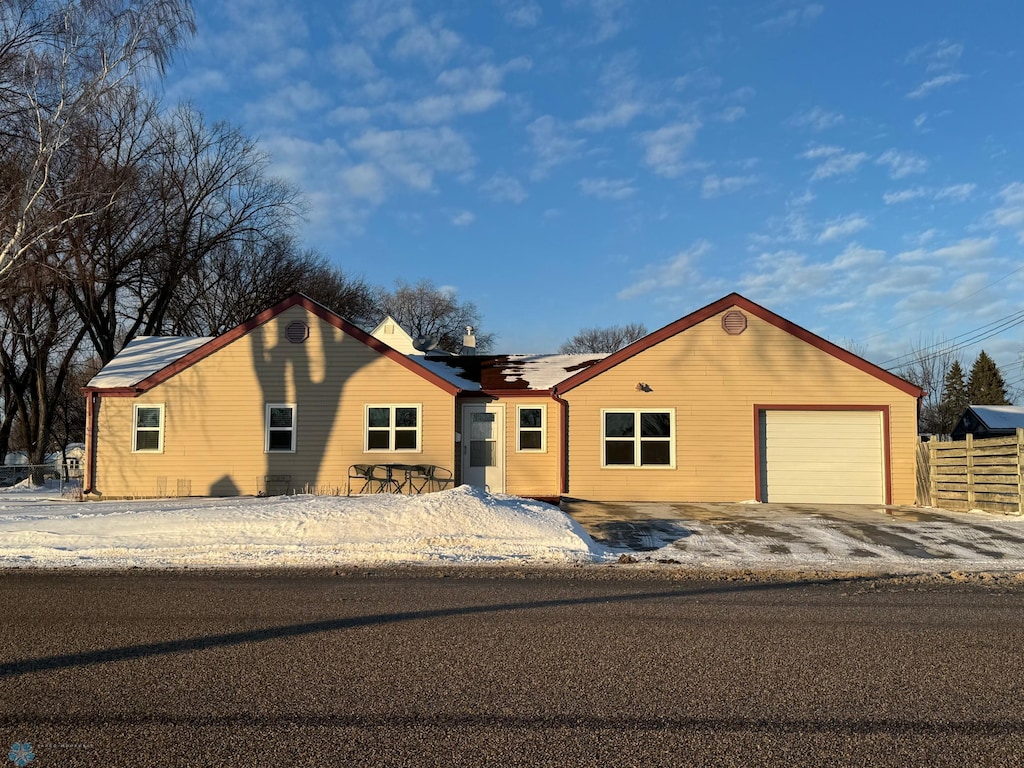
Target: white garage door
832	457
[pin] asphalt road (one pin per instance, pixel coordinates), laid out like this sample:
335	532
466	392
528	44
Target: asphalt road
472	668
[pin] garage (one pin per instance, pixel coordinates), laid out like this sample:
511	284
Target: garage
830	456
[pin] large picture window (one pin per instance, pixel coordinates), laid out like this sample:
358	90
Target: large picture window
638	438
280	428
147	428
393	428
531	422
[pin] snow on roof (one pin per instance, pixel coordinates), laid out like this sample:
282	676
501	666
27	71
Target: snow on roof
1000	416
144	356
497	372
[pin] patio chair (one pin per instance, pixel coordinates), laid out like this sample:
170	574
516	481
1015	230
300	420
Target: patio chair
382	478
417	478
440	478
361	473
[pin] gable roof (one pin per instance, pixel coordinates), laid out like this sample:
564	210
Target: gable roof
174	354
724	303
394	335
995	417
509	373
142	357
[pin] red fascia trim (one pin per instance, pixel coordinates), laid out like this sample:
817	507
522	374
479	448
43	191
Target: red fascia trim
563	443
726	302
886	438
90	440
265	316
113	391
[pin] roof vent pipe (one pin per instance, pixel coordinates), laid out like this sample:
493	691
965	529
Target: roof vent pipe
469	342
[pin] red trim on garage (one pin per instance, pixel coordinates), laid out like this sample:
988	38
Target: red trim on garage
728	302
886	438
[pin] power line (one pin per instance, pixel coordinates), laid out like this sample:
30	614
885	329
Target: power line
958	342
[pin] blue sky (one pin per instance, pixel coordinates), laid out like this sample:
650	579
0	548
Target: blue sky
854	166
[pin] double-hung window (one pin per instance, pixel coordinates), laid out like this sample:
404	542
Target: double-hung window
531	422
147	428
638	438
280	428
393	427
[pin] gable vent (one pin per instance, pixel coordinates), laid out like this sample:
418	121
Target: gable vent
734	323
296	332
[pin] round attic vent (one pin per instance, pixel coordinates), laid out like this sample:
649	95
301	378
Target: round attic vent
296	332
734	323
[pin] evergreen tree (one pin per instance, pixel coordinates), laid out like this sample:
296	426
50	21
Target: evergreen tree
985	385
954	398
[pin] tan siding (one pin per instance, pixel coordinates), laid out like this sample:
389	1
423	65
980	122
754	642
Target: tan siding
530	473
214	416
713	380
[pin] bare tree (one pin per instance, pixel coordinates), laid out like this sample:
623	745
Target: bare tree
238	280
603	340
926	365
59	60
425	310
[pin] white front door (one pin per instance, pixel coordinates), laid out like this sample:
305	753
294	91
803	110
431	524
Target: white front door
483	447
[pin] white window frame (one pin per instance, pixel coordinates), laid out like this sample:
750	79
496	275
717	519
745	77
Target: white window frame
136	407
392	428
267	430
543	428
637	440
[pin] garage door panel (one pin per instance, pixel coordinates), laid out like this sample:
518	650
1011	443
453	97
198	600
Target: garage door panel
822	456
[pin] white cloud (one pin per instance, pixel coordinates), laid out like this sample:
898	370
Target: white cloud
521	13
342	115
667	146
968	249
732	114
904	195
677	271
920	120
608	189
937	56
835	161
351	60
619	96
715	186
504	189
803	15
842	226
414	156
442	108
551	145
364	181
430	45
609	17
285	103
463	219
902	164
816	119
936	82
1011	212
956	192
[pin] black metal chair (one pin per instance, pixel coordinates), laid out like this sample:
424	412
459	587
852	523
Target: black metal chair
361	473
417	477
440	478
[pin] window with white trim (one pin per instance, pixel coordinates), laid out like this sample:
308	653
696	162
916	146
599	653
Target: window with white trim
393	427
147	428
638	438
280	428
531	422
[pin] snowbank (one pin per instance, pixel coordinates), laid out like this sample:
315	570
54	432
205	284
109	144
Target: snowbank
463	525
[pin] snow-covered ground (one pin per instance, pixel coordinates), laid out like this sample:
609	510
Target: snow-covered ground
459	525
40	528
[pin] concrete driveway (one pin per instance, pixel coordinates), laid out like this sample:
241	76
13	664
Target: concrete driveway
837	535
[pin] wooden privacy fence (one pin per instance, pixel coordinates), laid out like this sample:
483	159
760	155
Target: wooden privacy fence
976	474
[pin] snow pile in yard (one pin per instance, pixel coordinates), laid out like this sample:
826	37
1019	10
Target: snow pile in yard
458	525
